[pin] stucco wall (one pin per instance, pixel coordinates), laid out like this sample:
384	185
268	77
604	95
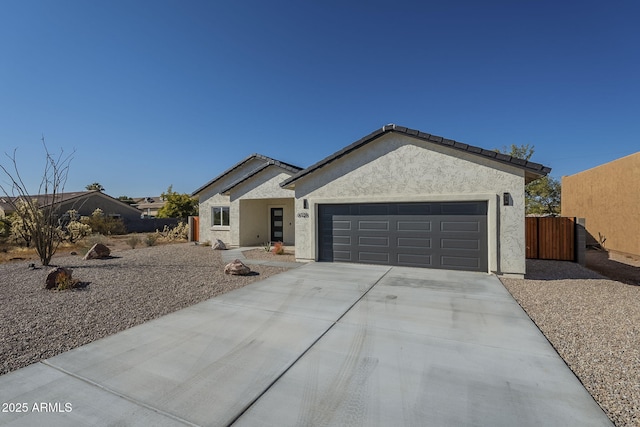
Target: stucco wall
255	219
250	202
399	168
211	196
608	197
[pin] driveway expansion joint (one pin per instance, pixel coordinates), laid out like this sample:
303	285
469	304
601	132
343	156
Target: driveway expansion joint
120	395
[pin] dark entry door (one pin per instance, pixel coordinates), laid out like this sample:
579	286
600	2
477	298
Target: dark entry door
448	235
277	224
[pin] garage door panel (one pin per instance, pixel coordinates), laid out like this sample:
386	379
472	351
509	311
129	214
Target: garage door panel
373	257
382	242
411	260
341	225
342	240
460	226
373	225
459	263
446	235
413	242
402	225
460	244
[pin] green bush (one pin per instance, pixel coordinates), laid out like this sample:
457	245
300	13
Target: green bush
151	239
100	223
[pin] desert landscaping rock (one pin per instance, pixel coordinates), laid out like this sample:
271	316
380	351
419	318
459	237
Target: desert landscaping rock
132	287
237	268
56	275
219	245
98	251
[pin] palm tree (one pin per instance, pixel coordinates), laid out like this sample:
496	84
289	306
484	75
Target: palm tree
95	186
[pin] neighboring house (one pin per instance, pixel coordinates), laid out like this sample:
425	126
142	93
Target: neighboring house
149	206
245	205
4	205
398	196
86	202
608	197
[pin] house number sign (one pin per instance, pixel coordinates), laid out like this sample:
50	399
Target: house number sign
303	215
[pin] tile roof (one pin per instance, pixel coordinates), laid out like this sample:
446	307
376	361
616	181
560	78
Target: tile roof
268	161
532	170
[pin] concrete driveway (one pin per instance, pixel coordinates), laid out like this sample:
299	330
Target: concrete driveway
322	344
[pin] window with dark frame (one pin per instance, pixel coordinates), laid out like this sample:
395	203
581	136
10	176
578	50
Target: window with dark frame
220	215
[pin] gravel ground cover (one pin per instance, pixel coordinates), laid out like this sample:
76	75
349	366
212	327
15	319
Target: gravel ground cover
130	288
259	253
594	324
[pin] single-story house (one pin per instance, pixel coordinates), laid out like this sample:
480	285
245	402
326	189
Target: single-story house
85	203
398	196
149	206
608	197
246	206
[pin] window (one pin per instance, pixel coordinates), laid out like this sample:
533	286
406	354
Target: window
220	215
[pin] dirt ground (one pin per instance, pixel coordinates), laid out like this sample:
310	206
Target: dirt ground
614	266
115	243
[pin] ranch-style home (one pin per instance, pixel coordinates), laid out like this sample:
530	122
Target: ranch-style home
397	196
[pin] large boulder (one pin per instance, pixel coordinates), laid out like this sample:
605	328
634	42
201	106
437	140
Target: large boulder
219	245
237	268
98	251
56	276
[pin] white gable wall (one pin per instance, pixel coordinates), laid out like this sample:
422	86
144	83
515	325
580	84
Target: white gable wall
211	196
257	194
396	168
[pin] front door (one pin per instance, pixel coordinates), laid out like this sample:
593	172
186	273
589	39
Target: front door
277	224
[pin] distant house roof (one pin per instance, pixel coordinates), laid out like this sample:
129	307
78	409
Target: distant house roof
532	170
44	200
266	161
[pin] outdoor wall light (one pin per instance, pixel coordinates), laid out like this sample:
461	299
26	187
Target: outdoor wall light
305	203
506	199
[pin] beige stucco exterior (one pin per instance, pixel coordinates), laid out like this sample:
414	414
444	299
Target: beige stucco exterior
608	197
395	168
249	202
211	196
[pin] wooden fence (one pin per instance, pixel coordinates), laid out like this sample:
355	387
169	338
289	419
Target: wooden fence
551	238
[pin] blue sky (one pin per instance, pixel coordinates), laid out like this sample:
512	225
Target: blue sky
152	93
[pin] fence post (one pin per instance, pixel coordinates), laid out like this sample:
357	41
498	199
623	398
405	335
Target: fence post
581	241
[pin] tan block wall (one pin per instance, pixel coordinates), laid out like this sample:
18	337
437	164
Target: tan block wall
608	197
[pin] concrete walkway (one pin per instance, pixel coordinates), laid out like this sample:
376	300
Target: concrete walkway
322	344
237	253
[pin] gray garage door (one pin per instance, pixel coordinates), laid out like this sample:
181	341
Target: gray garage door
451	235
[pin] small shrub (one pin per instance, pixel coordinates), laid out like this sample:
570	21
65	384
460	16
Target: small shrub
151	239
179	232
103	224
77	230
266	246
133	241
278	248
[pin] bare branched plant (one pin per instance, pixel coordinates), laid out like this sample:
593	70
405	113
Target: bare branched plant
38	216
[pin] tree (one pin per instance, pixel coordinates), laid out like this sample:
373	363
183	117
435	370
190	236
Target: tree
95	186
177	205
39	217
542	196
126	199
